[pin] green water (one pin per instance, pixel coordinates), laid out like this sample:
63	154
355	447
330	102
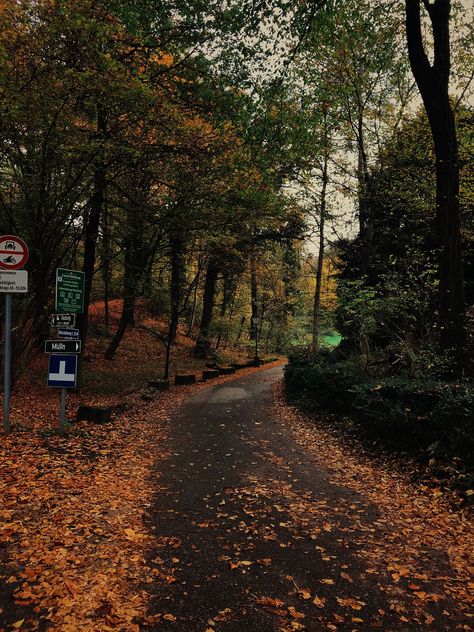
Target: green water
331	339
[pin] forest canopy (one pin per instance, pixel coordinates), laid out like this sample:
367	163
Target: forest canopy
247	170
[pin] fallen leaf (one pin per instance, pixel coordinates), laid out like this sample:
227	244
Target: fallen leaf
268	601
295	614
169	617
320	603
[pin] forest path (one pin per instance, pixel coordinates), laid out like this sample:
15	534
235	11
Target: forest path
255	536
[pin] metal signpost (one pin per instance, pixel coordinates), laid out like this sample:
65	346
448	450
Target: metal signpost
62	373
69	301
13	256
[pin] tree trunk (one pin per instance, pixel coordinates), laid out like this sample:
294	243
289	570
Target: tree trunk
192	316
92	231
241	329
106	270
176	281
203	343
133	257
433	83
253	297
227	295
365	211
319	268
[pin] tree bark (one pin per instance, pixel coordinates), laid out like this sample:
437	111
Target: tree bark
241	329
203	343
253	297
192	316
176	284
106	270
433	83
319	268
92	230
227	295
133	258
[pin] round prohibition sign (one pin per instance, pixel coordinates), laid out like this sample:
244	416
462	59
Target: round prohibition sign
13	252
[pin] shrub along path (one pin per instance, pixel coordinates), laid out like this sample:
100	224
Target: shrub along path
264	521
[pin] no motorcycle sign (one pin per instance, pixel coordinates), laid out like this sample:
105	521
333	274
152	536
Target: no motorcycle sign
13	252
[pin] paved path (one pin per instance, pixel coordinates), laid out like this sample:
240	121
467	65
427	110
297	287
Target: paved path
253	534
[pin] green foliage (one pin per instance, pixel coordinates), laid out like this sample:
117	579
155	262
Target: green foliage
327	385
388	293
406	412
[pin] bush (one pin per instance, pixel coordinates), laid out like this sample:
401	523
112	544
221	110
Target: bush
326	385
406	413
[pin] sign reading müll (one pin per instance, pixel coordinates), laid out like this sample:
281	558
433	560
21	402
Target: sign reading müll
62	346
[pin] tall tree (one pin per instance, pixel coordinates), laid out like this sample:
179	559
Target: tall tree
432	79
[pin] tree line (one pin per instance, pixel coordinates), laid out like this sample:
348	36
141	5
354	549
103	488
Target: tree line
182	156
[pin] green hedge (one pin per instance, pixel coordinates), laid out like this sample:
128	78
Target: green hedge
403	411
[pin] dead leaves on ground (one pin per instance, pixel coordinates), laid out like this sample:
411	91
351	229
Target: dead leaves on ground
416	540
73	517
278	608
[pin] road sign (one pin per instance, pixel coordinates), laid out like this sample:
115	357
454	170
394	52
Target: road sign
70	291
13	252
62	371
71	334
63	320
13	281
62	346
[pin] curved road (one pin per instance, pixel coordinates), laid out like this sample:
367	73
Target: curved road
253	535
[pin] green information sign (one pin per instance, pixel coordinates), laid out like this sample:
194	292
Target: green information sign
69	291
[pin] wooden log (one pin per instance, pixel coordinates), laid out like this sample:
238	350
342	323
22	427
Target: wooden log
209	374
182	379
226	370
94	414
159	385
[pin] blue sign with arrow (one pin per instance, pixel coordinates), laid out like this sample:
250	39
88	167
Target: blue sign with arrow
62	372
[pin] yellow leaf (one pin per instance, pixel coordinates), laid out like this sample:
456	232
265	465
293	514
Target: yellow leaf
329	582
295	614
132	535
169	617
18	624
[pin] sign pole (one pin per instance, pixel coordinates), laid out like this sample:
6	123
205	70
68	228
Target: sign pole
13	256
63	411
7	362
